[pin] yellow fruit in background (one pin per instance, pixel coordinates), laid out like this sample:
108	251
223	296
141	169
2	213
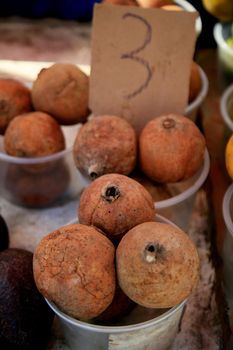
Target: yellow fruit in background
221	9
229	157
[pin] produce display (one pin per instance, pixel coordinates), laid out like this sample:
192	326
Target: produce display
75	267
118	256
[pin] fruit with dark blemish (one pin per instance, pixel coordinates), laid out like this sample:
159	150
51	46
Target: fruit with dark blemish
74	268
105	144
157	265
171	148
115	203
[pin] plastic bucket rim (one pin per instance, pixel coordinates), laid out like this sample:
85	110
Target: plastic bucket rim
226	209
223	106
191	190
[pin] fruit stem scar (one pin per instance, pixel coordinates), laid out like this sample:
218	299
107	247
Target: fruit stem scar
93	172
153	252
169	123
110	193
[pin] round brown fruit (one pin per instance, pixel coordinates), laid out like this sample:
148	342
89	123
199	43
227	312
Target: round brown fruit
15	99
33	135
171	148
171	7
105	144
74	268
62	91
195	82
115	203
157	265
154	3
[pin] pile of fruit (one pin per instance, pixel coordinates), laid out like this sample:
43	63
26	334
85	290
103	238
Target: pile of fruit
117	255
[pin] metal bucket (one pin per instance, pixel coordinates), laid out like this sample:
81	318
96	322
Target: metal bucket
142	329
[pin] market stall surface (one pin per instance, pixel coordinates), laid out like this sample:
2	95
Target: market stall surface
26	46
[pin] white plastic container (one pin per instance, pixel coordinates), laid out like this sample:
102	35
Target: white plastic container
142	329
54	180
226	107
227	250
178	209
193	108
189	7
225	53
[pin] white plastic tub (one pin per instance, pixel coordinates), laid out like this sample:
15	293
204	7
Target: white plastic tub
193	108
226	107
142	329
227	251
225	53
179	208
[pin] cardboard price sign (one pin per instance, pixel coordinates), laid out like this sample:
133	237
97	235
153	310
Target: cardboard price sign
141	62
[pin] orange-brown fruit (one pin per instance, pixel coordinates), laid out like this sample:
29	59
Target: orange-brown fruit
171	148
157	265
195	83
121	2
154	3
74	268
172	7
105	144
62	91
34	134
15	99
115	203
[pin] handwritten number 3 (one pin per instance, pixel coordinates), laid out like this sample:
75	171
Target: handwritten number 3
133	54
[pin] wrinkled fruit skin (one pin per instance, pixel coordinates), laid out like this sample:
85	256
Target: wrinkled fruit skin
62	91
157	265
4	234
25	317
105	144
74	268
171	148
115	203
15	99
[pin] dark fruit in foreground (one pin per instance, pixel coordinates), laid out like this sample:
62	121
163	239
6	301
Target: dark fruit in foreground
4	234
25	318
